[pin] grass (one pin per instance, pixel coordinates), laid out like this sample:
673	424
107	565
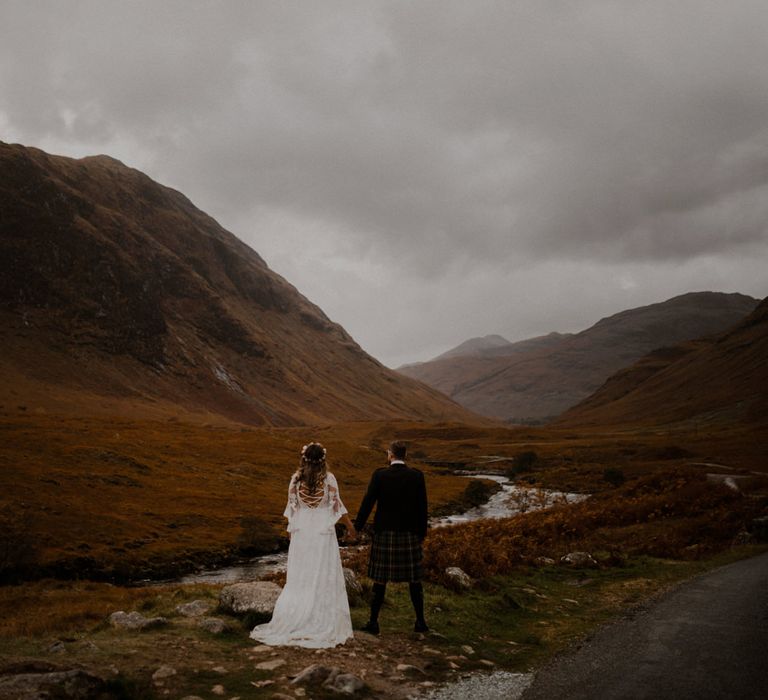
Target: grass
515	621
117	498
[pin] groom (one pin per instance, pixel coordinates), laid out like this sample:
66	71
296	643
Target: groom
399	527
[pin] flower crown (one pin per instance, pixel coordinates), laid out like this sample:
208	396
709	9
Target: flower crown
304	449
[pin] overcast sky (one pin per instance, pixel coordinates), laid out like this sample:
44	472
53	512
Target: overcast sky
429	171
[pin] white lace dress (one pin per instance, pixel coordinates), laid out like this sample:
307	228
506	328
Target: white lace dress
312	610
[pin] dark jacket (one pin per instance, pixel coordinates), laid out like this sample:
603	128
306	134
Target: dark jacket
400	496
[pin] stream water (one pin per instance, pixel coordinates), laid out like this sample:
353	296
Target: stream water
510	500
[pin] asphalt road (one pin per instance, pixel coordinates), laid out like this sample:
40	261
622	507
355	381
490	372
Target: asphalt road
706	639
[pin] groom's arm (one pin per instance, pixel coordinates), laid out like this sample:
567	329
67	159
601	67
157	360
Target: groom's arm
422	507
369	500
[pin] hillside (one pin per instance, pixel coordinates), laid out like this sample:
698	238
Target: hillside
119	296
705	382
476	345
540	378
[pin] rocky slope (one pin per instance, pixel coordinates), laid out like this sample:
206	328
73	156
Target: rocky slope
118	295
718	379
539	378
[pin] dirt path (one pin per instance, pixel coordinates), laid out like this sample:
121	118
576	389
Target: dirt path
706	639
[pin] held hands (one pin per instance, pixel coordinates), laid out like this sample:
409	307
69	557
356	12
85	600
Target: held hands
351	532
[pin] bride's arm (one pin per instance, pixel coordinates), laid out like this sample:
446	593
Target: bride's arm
338	507
347	523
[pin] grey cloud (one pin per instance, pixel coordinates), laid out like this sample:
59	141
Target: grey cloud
434	138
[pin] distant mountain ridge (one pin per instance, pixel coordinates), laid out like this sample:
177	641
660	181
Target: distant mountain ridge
537	379
118	295
720	378
476	345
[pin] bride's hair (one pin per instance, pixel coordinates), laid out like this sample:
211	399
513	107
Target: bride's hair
312	467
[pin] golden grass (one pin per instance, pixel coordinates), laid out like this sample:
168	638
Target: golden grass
47	607
121	496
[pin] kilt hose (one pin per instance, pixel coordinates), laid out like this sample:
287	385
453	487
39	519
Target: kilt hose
395	556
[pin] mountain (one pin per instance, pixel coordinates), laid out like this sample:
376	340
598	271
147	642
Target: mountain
476	345
118	295
538	379
720	378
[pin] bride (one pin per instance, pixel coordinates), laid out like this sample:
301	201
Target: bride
312	610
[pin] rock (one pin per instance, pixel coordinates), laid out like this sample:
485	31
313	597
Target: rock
270	665
467	649
163	672
262	684
579	559
218	690
410	671
486	662
759	529
256	596
354	587
194	609
56	648
458	579
261	649
365	637
134	620
345	683
431	652
74	684
214	625
743	537
544	561
312	675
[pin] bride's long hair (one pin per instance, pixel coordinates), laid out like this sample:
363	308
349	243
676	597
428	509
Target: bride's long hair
312	467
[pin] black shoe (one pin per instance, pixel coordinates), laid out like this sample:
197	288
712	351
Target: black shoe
370	627
420	626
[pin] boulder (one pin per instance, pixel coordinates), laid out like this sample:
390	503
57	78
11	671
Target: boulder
458	579
255	596
345	684
134	620
313	675
270	665
578	559
214	625
196	608
354	587
410	671
74	684
163	672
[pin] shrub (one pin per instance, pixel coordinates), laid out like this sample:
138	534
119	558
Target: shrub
256	536
672	513
523	463
614	476
19	549
478	492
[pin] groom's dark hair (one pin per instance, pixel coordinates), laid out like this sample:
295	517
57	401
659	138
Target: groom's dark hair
398	449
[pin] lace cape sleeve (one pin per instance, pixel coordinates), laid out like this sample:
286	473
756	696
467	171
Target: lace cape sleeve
334	499
293	502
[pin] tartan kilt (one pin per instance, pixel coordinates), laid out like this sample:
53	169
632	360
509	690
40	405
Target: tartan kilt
395	556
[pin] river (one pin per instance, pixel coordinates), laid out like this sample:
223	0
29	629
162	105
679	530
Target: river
510	500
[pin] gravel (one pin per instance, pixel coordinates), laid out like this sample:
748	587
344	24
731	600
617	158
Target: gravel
500	685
